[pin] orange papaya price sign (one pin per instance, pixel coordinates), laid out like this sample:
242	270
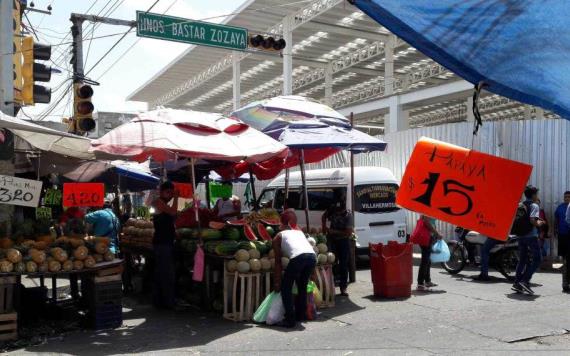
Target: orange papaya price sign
185	190
83	194
463	187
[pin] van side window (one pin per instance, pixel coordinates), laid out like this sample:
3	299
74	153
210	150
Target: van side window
320	199
294	199
266	199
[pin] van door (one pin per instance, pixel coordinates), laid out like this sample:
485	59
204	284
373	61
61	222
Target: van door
377	218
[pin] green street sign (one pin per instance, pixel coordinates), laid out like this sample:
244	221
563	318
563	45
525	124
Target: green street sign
178	29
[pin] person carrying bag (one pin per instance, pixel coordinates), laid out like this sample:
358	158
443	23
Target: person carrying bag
424	235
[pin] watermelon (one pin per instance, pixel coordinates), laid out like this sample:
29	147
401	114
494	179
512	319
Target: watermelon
249	233
262	231
185	233
216	225
321	239
271	231
274	222
232	233
226	248
241	222
262	247
247	245
210	234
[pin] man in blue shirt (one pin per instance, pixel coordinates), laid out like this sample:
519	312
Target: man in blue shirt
562	230
104	223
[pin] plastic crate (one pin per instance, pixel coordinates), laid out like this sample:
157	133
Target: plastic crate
105	317
97	294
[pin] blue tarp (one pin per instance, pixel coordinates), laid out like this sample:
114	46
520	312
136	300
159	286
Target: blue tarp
520	48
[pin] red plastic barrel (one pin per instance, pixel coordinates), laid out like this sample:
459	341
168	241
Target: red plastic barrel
391	269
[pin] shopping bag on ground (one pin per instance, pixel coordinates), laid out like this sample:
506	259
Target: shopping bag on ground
198	274
440	252
311	307
318	297
276	313
260	315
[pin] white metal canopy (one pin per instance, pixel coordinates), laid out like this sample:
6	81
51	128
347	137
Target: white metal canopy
340	57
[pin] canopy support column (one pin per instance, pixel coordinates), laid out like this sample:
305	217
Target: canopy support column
288	56
305	191
329	84
389	66
236	79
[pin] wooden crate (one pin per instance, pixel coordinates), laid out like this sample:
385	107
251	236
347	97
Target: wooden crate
7	290
324	279
8	326
242	295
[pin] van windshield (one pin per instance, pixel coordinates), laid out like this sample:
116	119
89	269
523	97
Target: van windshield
375	198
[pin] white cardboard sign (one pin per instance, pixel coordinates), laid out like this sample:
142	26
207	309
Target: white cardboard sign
19	191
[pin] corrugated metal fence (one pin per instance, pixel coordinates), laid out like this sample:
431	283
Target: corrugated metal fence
541	143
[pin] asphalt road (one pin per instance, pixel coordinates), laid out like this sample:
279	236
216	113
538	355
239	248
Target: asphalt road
462	318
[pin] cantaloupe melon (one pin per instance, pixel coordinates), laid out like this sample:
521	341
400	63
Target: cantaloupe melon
59	255
231	266
43	267
254	254
322	259
242	255
20	267
265	264
90	262
243	267
98	258
331	257
101	248
81	253
254	265
6	266
322	248
67	266
108	256
54	266
37	256
31	267
78	265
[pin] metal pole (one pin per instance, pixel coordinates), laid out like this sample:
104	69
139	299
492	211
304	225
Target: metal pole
236	79
78	70
194	200
287	57
6	61
305	192
208	193
352	269
286	195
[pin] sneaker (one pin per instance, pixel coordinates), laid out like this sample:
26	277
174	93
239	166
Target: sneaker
526	288
430	284
482	278
517	287
422	288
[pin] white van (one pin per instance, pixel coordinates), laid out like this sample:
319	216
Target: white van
377	219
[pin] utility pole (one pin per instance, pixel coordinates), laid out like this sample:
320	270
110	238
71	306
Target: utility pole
6	59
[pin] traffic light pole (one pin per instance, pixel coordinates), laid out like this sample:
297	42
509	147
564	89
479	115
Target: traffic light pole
77	35
6	59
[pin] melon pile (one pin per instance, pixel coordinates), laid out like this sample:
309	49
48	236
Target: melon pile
138	233
249	261
319	243
47	254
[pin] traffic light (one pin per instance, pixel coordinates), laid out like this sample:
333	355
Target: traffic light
266	43
83	108
33	71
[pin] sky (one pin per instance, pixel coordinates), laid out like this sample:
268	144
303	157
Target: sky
118	75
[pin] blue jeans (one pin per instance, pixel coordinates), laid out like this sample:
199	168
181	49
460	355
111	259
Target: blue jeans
525	269
485	254
298	270
164	276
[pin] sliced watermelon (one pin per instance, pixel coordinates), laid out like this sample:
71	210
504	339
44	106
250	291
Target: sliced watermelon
262	231
216	225
241	222
249	234
273	222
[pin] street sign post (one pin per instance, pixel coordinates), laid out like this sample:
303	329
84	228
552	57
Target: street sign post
188	31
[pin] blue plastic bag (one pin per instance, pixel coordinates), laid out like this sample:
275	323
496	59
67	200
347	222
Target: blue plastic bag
440	252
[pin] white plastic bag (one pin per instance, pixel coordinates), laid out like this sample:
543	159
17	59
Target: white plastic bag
276	312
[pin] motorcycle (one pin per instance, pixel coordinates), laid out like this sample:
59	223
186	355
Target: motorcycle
503	257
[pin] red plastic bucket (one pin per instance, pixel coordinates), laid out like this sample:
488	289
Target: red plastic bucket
391	267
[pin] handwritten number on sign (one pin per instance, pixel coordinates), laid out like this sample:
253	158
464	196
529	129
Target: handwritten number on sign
6	196
450	186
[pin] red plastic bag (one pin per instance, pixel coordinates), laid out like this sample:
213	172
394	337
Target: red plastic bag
311	307
198	274
421	235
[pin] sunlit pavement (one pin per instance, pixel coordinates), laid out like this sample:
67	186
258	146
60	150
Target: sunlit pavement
461	317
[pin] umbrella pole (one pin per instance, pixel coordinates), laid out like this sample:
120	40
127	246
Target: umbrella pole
194	198
305	192
208	193
352	269
254	196
286	195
